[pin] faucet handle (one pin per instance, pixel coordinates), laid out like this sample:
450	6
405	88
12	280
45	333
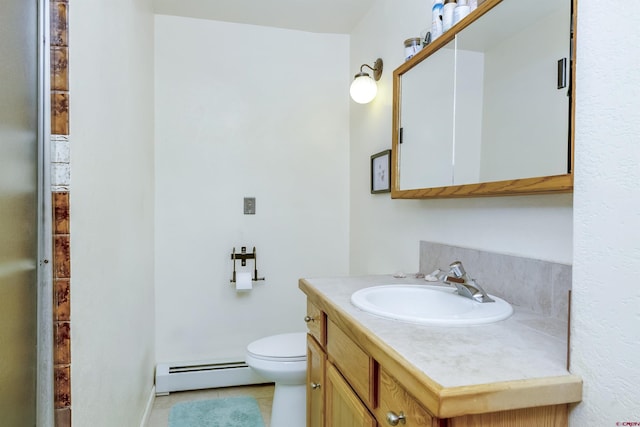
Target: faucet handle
457	269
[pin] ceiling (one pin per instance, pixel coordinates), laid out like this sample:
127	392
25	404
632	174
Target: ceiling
318	16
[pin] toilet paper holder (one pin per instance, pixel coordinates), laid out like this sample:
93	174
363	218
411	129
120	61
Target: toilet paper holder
243	256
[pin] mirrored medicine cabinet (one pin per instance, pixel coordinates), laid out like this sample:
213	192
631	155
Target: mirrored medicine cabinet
486	109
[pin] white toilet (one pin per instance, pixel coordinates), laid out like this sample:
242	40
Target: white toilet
283	360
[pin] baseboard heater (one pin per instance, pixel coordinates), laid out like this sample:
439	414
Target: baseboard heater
200	375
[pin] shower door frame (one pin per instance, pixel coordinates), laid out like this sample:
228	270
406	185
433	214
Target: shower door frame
44	374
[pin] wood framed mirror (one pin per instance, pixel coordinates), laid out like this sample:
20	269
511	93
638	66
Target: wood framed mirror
487	108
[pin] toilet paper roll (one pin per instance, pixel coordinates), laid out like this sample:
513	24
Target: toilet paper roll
243	281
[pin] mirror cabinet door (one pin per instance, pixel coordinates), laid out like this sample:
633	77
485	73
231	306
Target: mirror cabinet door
486	107
512	120
426	122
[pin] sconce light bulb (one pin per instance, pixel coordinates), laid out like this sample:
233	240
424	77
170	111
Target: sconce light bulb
363	89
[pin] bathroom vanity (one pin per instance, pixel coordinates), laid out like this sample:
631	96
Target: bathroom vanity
364	370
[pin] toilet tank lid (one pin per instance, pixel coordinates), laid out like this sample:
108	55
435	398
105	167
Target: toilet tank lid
283	345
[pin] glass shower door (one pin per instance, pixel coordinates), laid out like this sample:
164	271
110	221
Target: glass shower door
18	211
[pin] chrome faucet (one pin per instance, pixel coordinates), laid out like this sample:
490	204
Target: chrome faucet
466	286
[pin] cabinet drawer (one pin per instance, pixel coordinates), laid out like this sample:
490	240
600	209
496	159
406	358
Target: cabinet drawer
393	400
316	323
354	364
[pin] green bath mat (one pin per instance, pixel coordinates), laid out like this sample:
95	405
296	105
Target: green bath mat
224	412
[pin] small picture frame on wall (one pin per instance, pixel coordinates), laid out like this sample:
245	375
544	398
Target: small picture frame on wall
381	172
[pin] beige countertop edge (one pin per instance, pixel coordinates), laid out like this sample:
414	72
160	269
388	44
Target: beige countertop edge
484	398
449	402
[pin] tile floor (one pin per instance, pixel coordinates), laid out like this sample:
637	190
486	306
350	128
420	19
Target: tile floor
160	412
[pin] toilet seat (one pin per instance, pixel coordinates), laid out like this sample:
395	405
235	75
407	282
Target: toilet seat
282	359
280	348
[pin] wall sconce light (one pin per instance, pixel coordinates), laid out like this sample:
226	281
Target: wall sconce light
363	88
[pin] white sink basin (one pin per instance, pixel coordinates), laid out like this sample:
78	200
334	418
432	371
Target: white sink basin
429	305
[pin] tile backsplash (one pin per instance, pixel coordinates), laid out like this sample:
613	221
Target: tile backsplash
540	286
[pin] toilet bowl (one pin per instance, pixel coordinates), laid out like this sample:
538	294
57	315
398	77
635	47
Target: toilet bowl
283	360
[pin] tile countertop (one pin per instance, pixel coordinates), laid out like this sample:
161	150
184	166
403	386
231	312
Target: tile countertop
525	351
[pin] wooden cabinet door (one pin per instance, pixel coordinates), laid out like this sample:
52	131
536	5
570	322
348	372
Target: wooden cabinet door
395	401
343	407
316	363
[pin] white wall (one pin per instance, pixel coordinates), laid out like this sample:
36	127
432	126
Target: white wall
606	293
245	111
111	86
384	233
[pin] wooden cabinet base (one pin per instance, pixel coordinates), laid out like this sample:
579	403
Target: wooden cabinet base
352	381
546	416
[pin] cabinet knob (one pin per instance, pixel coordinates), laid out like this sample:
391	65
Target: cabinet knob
308	319
315	386
393	419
